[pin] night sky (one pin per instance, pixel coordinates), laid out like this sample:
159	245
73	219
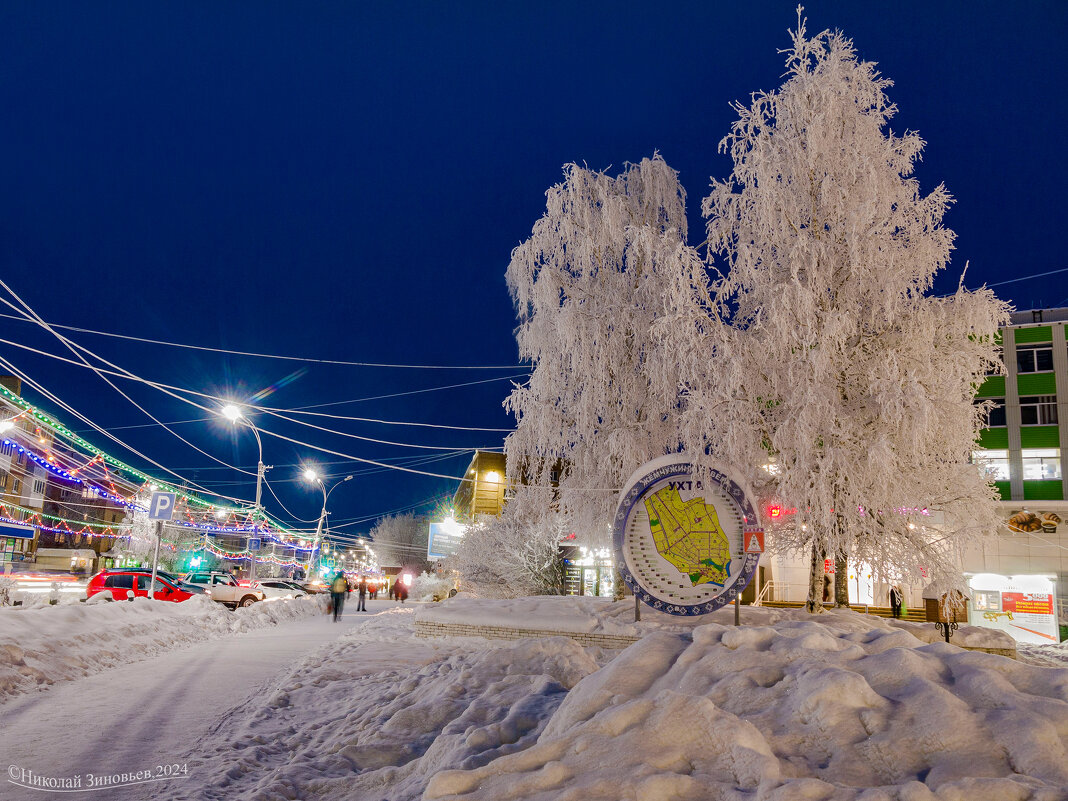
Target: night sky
346	181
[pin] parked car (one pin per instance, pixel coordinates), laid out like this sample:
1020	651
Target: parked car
120	582
281	588
223	587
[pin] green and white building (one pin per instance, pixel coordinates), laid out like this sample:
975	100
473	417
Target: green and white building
1028	425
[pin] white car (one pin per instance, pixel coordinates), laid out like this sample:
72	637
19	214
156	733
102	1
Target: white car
224	588
280	588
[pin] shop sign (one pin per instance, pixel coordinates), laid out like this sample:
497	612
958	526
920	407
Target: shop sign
686	546
444	538
1022	606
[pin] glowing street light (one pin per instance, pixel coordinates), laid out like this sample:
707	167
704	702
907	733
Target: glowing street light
310	474
233	413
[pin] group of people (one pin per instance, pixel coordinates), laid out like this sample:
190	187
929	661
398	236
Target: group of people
340	589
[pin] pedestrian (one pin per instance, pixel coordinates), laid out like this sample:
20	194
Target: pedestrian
339	588
361	606
402	591
895	600
393	591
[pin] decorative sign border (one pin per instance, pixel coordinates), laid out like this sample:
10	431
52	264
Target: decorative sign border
657	472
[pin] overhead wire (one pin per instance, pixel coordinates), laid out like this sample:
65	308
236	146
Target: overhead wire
270	355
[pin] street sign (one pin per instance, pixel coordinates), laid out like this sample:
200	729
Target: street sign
255	545
754	542
161	507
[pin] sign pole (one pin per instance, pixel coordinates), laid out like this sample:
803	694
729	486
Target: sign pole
637	609
738	609
155	559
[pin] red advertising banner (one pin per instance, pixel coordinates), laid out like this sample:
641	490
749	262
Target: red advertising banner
1027	603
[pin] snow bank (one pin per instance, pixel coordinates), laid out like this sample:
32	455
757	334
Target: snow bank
41	644
376	713
834	707
582	615
801	709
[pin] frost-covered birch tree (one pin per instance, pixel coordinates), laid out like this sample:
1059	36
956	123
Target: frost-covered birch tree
837	365
588	285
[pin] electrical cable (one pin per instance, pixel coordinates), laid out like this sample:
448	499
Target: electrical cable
269	355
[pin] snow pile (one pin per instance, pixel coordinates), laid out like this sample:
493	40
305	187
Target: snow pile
578	614
375	714
41	644
795	710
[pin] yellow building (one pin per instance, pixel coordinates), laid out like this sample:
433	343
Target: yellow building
484	489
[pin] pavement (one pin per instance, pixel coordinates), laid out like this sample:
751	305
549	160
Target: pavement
144	716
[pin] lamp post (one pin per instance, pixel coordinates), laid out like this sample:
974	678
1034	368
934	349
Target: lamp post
234	415
311	475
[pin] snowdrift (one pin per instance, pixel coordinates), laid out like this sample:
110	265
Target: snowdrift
42	644
837	707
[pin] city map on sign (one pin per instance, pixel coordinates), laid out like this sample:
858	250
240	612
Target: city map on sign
689	536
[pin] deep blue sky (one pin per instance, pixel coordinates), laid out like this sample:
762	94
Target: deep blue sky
346	181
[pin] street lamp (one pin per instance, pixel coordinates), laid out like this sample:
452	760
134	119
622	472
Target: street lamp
311	475
234	414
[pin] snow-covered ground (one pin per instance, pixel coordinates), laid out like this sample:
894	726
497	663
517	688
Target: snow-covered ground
789	706
42	644
833	707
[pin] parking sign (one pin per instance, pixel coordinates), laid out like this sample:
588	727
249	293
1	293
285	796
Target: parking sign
161	506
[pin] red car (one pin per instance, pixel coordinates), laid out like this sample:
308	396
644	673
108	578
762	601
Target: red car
120	582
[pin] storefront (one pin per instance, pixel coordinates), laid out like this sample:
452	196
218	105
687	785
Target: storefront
15	544
589	571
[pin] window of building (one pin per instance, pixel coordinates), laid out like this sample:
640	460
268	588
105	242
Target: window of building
1034	358
22	457
1038	410
16	486
38	487
6	449
995	415
1041	464
995	367
3	480
1036	316
994	464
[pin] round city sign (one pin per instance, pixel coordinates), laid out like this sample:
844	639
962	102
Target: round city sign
683	545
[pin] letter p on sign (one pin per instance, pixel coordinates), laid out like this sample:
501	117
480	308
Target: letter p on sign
162	506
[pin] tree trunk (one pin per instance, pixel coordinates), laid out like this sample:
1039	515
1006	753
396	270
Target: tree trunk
841	580
815	581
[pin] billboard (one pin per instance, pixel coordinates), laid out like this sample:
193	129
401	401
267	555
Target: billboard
684	545
1021	606
444	539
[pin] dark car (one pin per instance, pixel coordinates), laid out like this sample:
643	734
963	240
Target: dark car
120	582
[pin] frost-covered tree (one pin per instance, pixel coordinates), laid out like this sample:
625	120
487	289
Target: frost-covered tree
401	541
517	553
836	365
588	285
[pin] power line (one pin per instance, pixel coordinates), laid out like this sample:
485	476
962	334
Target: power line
270	355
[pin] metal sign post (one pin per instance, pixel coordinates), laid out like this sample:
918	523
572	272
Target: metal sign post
160	508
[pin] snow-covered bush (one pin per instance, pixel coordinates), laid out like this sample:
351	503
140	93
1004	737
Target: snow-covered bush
430	587
517	553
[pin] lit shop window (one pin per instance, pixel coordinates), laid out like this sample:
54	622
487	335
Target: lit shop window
995	415
1038	410
1041	463
1034	358
994	464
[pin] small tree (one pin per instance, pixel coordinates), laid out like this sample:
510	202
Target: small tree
588	286
517	553
836	366
401	541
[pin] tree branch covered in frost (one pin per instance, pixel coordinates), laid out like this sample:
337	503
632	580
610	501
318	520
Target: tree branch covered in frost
588	286
517	553
401	541
835	364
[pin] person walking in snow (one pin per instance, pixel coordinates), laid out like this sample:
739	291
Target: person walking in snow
361	606
402	591
895	601
339	588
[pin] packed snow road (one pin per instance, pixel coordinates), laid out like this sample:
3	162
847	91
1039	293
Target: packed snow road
147	716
